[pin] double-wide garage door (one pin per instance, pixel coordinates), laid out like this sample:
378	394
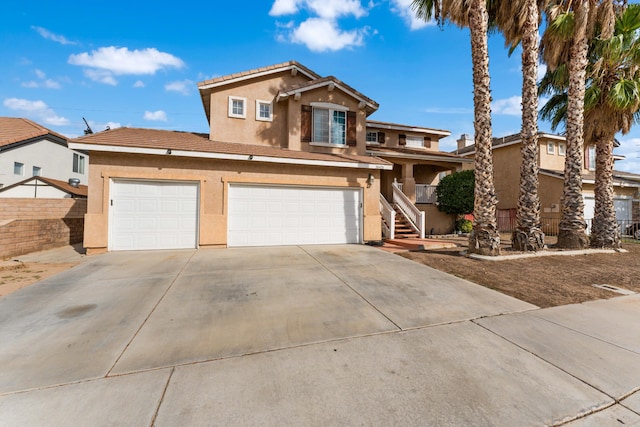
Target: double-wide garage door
153	215
261	215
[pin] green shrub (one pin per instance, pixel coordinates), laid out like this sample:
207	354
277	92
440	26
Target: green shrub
464	225
455	193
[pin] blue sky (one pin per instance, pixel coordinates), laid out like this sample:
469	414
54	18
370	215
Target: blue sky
137	63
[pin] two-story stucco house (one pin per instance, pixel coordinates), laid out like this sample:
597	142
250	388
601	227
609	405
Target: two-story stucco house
28	149
290	158
551	157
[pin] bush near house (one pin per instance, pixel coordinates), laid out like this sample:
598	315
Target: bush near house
455	196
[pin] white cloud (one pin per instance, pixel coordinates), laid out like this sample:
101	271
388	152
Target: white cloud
542	70
51	36
284	7
449	110
101	76
405	11
509	106
37	109
109	61
181	86
155	116
139	83
630	148
320	35
328	9
43	83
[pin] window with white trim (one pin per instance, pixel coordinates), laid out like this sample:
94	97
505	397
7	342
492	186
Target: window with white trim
18	168
562	149
37	171
372	137
264	111
329	126
415	141
551	148
590	162
78	163
237	107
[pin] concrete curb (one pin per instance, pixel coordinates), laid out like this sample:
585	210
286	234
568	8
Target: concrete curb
544	253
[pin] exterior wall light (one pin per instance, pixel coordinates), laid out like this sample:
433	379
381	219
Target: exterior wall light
370	179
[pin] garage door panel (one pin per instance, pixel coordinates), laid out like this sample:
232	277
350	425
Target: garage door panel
153	215
280	215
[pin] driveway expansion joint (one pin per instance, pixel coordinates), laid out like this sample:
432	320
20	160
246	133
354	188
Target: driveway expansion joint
164	393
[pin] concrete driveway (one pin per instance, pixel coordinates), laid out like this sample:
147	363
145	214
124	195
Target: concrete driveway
314	335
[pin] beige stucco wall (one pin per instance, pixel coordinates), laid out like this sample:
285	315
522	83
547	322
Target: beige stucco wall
437	222
214	177
506	175
249	130
553	161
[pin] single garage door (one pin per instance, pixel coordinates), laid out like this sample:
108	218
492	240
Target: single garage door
153	215
621	205
286	215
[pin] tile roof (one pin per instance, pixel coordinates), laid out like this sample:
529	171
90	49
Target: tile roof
388	125
325	81
199	143
417	153
623	179
80	191
260	70
16	129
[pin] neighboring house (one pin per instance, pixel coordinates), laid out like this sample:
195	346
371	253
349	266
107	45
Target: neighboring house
552	149
39	187
28	149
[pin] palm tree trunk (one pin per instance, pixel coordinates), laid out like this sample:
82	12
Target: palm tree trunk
528	235
484	238
604	231
572	225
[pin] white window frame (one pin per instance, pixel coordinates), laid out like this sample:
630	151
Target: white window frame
36	171
562	149
244	107
78	163
551	148
591	158
18	168
372	141
416	144
331	108
260	103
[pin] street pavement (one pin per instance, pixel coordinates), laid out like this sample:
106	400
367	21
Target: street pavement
312	335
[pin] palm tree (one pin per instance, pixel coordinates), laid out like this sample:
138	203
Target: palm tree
565	40
484	238
611	104
519	22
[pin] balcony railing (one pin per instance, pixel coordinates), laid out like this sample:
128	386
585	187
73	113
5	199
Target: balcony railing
424	193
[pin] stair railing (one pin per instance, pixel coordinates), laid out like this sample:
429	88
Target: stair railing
414	215
389	219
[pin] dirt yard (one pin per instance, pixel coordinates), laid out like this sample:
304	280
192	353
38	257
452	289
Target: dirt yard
543	281
17	275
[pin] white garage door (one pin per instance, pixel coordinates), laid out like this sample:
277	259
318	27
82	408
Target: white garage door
153	215
622	206
280	215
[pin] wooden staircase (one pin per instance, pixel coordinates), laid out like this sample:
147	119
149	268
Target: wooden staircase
404	230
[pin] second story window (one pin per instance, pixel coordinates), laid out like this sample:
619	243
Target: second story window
551	148
590	158
329	126
263	111
562	149
78	163
372	137
237	107
37	171
18	168
415	141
